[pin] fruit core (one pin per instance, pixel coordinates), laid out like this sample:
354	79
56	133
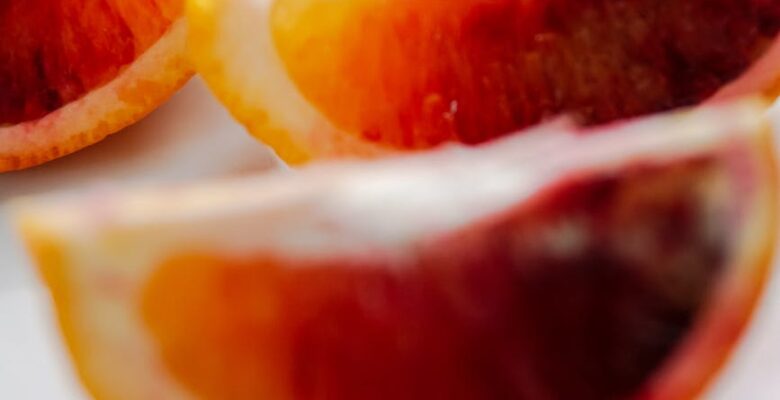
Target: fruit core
582	292
413	74
53	52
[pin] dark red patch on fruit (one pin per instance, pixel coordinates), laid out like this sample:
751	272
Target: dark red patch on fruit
581	293
416	73
54	52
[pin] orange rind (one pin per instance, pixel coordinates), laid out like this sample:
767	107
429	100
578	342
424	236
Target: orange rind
74	72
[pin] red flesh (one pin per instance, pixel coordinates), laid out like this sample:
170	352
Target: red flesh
412	73
497	311
54	52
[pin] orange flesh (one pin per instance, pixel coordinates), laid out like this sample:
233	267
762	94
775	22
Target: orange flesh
53	52
582	292
412	74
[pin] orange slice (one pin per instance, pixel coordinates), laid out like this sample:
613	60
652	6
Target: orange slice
74	71
316	78
621	263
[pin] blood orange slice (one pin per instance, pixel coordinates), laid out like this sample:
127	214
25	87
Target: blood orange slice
73	72
318	78
624	263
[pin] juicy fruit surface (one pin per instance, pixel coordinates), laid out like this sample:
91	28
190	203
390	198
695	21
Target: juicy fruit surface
55	52
625	263
582	293
412	74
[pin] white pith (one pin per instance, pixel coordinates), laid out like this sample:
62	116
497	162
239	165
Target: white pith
251	78
763	76
104	110
339	209
330	190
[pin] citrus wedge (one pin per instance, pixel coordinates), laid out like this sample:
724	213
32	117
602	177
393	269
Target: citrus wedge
622	263
317	78
74	71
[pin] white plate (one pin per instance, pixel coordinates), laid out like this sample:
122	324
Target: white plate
193	137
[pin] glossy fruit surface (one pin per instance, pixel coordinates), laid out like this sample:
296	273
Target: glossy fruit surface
624	264
72	72
327	78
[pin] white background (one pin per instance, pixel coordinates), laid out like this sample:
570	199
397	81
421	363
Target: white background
193	137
